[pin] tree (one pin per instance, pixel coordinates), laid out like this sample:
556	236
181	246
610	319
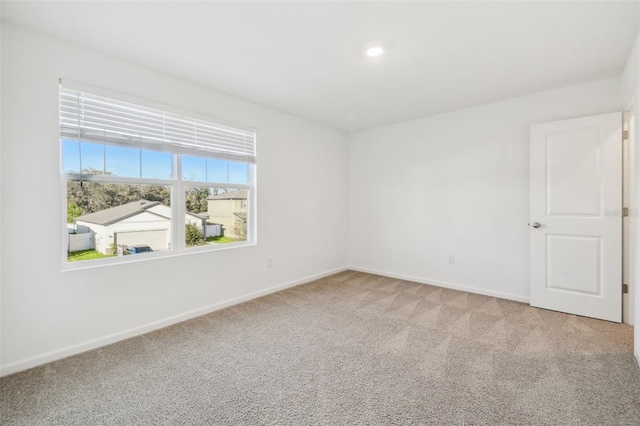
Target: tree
91	197
196	199
194	236
152	193
73	211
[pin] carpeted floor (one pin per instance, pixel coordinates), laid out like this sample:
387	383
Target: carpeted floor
352	348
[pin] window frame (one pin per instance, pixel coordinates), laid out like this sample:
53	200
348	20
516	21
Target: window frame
178	191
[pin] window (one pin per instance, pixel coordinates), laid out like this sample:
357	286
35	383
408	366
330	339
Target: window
144	182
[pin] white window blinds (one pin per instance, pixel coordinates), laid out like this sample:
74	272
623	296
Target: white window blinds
89	117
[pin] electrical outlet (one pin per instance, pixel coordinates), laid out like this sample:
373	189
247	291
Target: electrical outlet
451	259
269	263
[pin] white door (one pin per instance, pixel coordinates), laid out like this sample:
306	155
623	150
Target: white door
575	216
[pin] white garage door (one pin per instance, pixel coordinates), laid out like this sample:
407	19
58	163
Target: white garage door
157	240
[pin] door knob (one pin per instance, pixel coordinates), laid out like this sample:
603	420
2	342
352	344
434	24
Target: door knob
536	225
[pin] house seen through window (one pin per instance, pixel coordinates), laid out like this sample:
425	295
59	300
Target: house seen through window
142	181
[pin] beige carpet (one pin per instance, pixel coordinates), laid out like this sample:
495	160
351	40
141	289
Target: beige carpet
352	348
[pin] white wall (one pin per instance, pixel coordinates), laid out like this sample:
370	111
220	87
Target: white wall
47	313
456	184
1	274
631	74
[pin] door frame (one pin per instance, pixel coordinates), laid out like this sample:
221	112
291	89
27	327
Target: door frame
629	223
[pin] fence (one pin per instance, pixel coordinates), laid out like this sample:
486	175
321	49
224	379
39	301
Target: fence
79	242
213	231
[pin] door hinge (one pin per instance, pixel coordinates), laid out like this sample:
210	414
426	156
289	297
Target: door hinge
625	211
625	135
625	288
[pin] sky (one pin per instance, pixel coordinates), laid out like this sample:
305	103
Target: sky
131	162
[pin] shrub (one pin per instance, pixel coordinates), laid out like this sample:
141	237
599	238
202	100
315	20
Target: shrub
116	249
194	236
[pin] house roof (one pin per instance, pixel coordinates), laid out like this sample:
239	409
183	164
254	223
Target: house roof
239	194
115	214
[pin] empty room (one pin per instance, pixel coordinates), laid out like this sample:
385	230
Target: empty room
330	212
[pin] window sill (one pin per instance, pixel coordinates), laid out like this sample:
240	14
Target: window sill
135	258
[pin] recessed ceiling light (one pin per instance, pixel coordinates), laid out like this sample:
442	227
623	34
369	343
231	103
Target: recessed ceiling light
374	51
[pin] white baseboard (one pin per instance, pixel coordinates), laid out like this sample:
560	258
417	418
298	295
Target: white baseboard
453	286
37	360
